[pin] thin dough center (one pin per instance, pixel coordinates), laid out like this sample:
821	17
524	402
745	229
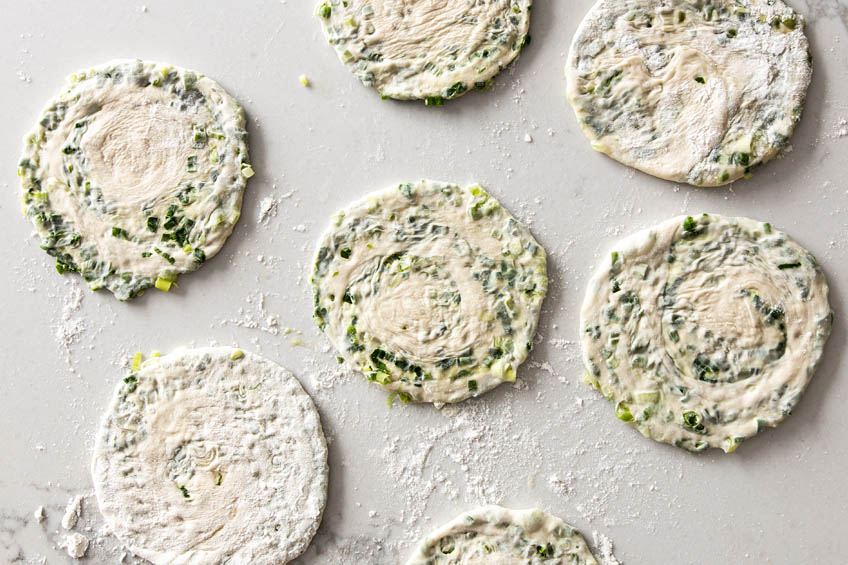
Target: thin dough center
132	147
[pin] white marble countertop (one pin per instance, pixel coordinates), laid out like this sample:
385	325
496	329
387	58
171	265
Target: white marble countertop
396	473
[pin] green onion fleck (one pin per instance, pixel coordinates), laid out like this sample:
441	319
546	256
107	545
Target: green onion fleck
455	90
622	412
783	266
700	80
692	422
740	158
136	362
163	285
237	354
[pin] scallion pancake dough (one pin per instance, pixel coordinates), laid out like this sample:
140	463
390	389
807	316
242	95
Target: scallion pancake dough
690	91
135	174
704	330
426	49
432	290
491	535
211	455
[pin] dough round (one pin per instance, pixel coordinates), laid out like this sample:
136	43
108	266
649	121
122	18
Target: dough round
212	455
499	536
703	330
135	174
697	92
426	49
431	290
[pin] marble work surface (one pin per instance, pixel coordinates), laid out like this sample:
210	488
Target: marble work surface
549	441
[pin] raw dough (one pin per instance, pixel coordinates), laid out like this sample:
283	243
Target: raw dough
690	91
431	290
212	455
704	330
426	49
492	535
135	174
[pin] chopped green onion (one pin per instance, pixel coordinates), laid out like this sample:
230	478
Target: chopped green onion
136	362
616	286
700	80
692	422
303	80
455	90
163	284
434	101
740	158
237	354
783	266
622	412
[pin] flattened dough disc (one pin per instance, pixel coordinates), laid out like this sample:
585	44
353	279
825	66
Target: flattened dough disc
431	290
211	455
697	92
705	329
426	49
135	174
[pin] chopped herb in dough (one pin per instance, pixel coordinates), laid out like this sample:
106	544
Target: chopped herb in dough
211	455
700	92
430	290
496	535
135	174
432	51
705	329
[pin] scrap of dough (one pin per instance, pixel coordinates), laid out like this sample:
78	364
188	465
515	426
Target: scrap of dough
72	512
703	330
75	544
